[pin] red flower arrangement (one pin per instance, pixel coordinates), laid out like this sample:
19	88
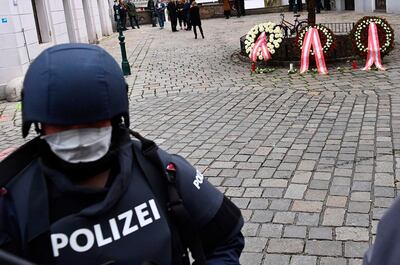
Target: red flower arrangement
359	35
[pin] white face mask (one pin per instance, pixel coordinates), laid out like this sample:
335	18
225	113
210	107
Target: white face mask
80	145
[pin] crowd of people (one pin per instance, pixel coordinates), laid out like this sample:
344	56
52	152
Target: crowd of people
123	10
184	12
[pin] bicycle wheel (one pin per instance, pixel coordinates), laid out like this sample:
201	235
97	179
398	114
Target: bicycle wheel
284	29
301	25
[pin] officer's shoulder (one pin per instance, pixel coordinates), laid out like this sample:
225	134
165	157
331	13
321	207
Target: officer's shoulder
19	161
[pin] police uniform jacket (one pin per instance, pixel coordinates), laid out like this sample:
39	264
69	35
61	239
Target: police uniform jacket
127	227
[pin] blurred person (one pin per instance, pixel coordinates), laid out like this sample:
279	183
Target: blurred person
132	13
160	10
181	14
173	14
153	14
227	8
195	19
186	8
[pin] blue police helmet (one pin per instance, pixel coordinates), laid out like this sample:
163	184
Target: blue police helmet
71	84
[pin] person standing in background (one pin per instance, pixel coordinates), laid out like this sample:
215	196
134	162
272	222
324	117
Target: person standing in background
195	18
160	9
318	6
186	8
151	8
237	7
132	13
173	15
242	8
122	14
181	13
227	9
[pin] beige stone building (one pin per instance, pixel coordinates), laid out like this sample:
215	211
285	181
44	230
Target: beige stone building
27	27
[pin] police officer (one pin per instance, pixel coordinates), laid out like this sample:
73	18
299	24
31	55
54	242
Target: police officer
85	192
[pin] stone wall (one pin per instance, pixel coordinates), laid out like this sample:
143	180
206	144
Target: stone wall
216	10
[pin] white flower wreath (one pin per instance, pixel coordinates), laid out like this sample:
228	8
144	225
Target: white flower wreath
363	25
329	37
274	37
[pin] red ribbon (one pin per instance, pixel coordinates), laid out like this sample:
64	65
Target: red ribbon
261	43
374	51
312	39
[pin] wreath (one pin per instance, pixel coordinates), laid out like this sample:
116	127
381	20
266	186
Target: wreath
359	35
274	37
328	41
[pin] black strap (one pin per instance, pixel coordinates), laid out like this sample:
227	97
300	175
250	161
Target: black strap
18	160
157	184
170	197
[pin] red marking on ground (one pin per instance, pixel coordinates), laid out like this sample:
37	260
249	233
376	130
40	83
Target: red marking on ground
6	152
3	118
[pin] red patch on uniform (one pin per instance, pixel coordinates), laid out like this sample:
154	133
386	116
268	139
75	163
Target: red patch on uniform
6	152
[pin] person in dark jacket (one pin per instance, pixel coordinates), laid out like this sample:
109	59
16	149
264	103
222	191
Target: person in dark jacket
152	9
123	14
318	6
132	13
242	8
84	192
186	8
120	14
181	14
237	7
160	10
173	14
195	19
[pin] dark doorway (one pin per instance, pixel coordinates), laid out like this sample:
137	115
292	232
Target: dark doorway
349	5
380	5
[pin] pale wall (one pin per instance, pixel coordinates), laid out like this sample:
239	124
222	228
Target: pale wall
393	6
16	55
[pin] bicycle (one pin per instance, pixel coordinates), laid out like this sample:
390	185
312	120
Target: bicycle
290	29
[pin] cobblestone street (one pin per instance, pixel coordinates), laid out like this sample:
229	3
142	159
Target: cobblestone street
312	161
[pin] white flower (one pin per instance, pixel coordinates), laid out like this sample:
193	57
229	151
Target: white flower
272	51
276	45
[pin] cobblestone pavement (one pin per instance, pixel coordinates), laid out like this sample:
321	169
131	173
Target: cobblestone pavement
312	161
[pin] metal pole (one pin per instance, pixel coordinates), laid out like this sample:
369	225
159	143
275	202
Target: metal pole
311	12
26	45
126	68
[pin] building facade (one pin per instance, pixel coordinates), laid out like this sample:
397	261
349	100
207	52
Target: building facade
361	6
27	27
